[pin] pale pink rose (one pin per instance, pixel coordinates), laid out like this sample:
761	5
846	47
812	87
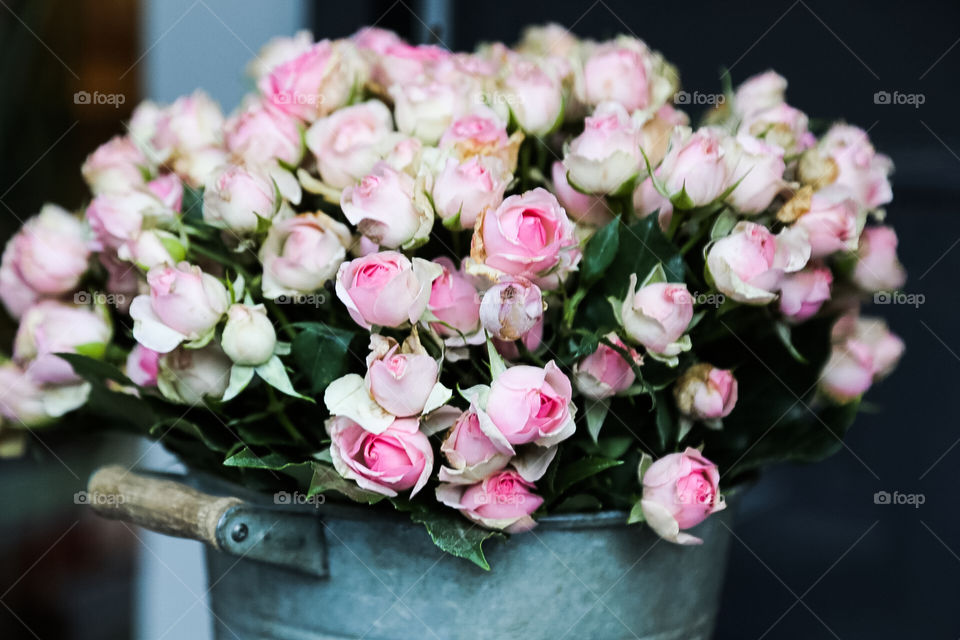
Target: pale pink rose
532	404
864	351
454	301
153	247
617	73
184	304
469	187
830	222
386	289
191	123
528	235
705	392
878	268
124	281
503	501
548	40
350	141
261	133
605	372
531	341
401	382
859	167
383	207
402	63
116	165
118	218
756	168
657	315
607	154
249	338
680	490
656	132
398	459
534	96
197	166
474	449
169	189
16	294
277	51
511	308
759	92
748	265
647	200
696	164
48	255
190	376
582	208
50	327
302	253
376	40
142	366
21	399
482	132
315	83
780	125
143	124
804	292
237	197
425	108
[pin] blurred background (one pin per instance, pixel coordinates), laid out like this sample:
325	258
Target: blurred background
815	555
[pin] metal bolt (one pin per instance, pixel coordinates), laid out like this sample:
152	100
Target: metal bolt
239	533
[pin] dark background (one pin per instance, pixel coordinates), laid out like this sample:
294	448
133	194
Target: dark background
814	557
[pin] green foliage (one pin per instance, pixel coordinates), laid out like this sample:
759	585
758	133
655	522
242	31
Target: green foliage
322	352
450	531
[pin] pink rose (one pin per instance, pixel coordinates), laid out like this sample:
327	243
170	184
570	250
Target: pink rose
454	301
301	253
184	304
705	392
530	404
142	366
804	292
152	247
830	222
188	125
647	200
398	459
190	376
169	189
401	63
117	218
277	51
315	83
584	209
780	125
376	40
756	168
399	382
123	281
859	167
528	235
656	132
350	141
51	327
605	372
878	268
548	40
617	73
607	154
531	341
237	197
426	107
474	449
466	188
748	265
117	165
679	491
695	163
511	308
48	255
261	133
482	132
503	501
196	166
864	351
22	399
534	95
384	207
759	92
657	316
386	289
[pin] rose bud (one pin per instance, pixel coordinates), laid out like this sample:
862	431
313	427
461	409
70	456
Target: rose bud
49	254
679	491
347	143
528	235
466	188
315	83
780	125
695	164
705	392
192	123
584	209
511	308
237	197
830	222
607	154
399	381
759	92
548	40
605	372
123	282
277	51
647	200
617	73
756	168
878	268
198	166
117	218
425	108
531	341
384	207
190	376
301	253
804	292
248	337
169	189
482	132
657	316
260	133
184	304
398	459
474	449
22	401
117	165
402	63
748	265
376	40
151	248
657	130
535	97
856	165
50	327
386	289
454	302
864	351
530	404
502	501
142	366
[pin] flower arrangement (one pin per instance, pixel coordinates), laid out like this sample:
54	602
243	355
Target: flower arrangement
481	287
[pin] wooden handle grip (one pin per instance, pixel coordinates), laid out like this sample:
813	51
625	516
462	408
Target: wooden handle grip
159	505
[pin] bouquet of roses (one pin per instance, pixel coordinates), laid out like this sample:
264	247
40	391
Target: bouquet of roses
504	283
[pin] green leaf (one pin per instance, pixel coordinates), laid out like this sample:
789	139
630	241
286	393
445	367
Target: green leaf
240	377
599	253
596	413
636	514
220	442
582	469
450	531
273	373
497	365
666	428
782	330
321	351
723	225
247	459
326	478
94	370
192	203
